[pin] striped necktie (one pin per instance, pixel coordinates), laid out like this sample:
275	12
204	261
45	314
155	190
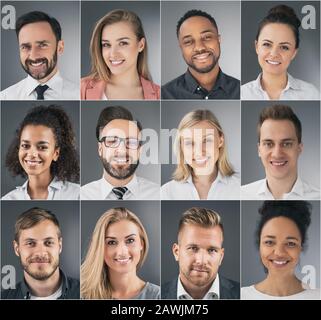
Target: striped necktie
119	192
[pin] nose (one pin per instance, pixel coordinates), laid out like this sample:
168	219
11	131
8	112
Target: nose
34	53
33	152
121	147
113	51
200	257
279	250
277	151
199	45
274	51
122	250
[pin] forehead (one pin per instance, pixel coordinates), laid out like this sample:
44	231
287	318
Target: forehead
203	127
203	237
281	227
122	229
195	25
118	30
41	230
277	129
121	128
277	32
36	31
37	132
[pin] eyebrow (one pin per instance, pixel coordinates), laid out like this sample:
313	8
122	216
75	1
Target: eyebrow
119	39
32	239
205	31
40	142
287	238
38	42
285	42
206	135
131	235
286	139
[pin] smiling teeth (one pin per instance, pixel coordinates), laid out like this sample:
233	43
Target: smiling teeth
273	62
33	162
201	161
279	262
274	163
36	64
121	160
201	56
116	62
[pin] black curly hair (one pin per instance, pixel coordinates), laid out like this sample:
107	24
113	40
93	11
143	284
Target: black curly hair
54	117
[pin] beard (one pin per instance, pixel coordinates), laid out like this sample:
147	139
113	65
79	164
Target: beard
121	173
49	66
207	68
41	274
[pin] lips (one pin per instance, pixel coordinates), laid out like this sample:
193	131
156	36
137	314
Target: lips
32	163
279	263
123	261
120	160
116	62
274	63
279	163
201	161
202	56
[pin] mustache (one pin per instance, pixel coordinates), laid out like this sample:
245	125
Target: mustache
201	268
39	260
29	61
201	52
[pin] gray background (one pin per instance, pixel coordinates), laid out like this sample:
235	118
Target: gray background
67	213
228	114
251	266
309	160
149	214
147	11
12	113
227	17
147	112
305	66
230	213
67	13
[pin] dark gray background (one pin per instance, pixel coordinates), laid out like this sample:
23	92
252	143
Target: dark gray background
67	213
305	66
147	11
12	113
147	112
251	266
149	214
228	114
230	213
309	160
67	13
227	17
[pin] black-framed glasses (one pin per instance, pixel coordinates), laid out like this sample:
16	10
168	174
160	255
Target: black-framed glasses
114	142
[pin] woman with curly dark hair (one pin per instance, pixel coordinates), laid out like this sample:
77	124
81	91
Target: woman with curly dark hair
44	151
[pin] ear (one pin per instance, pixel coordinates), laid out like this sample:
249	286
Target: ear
255	45
16	248
295	53
141	44
219	38
100	149
60	245
222	256
300	147
60	47
221	141
175	250
56	155
258	150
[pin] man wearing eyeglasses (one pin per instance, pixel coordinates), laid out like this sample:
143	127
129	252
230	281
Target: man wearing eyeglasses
119	147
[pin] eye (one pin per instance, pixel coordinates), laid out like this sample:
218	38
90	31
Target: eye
266	44
207	37
208	140
30	243
188	42
193	249
212	250
123	43
43	148
268	243
292	244
105	45
285	48
24	146
267	144
130	241
188	142
49	243
111	242
287	144
43	45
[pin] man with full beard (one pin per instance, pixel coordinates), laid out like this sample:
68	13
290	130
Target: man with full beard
38	244
119	147
199	41
40	44
199	252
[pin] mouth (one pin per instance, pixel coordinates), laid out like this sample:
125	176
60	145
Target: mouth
202	56
279	263
202	160
279	163
273	63
123	261
32	163
116	63
121	160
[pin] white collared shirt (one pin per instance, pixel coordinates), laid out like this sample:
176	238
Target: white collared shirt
138	189
59	89
259	190
295	90
57	190
223	188
212	294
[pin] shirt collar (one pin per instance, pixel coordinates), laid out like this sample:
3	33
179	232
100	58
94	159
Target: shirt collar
55	184
218	179
297	188
291	84
212	293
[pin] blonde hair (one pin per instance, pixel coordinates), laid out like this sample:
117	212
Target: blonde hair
183	170
95	283
99	69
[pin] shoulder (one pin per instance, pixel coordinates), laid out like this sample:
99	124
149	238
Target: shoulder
151	291
249	191
168	89
170	188
86	82
149	189
73	291
233	180
231	80
249	90
310	91
12	195
169	289
89	190
310	192
248	292
229	289
71	190
10	92
151	89
12	293
147	183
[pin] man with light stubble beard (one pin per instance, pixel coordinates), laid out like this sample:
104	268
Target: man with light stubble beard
120	143
38	244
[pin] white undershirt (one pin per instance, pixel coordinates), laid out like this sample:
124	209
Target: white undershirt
53	296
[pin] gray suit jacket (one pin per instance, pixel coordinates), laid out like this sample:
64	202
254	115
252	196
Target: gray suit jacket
229	289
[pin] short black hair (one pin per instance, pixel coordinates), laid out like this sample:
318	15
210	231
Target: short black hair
113	113
39	16
296	210
195	13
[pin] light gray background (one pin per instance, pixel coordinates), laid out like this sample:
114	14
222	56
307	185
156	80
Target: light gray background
227	17
148	12
305	66
228	114
67	213
149	214
67	13
309	160
12	114
230	213
147	112
251	266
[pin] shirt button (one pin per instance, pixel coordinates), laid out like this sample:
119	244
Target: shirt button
198	88
206	98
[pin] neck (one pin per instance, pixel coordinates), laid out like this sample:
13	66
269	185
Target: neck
43	288
129	79
117	182
38	186
205	179
206	80
196	292
278	187
44	80
270	82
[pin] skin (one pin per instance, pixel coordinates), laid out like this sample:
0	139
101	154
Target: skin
199	254
200	46
39	248
39	49
120	162
279	150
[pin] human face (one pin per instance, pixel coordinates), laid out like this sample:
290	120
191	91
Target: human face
120	47
279	149
199	254
201	145
280	245
275	48
119	162
200	44
123	247
37	150
39	50
39	248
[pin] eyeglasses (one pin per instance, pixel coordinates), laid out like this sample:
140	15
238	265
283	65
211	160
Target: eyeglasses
114	142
